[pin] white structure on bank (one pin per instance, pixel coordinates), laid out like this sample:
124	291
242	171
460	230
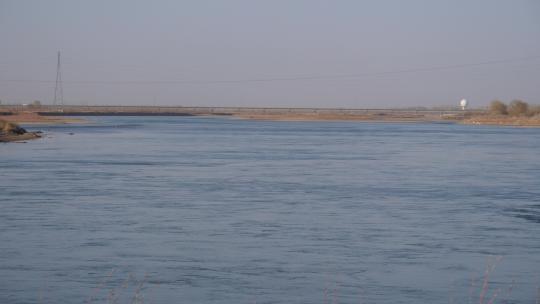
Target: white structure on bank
463	104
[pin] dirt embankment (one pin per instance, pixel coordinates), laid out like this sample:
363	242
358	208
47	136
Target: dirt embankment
475	117
10	131
379	117
29	117
504	120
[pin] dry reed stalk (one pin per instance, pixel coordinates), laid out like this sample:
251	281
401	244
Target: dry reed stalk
100	286
509	291
138	297
335	295
492	300
115	292
491	263
325	300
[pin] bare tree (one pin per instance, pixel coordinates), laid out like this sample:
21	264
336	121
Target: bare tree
498	107
518	107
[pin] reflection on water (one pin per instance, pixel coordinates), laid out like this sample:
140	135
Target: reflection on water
215	210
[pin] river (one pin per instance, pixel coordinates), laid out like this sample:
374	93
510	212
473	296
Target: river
220	210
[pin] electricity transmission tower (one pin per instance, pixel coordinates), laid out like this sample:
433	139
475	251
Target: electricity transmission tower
58	90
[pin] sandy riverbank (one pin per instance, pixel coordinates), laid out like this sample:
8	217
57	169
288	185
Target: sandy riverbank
28	117
466	118
500	120
475	117
374	117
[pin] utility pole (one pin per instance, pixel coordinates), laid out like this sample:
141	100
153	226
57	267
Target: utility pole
58	90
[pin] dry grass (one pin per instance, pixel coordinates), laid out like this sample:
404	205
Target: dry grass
129	291
10	127
491	264
10	131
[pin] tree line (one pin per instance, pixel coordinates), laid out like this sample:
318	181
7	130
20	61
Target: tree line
514	108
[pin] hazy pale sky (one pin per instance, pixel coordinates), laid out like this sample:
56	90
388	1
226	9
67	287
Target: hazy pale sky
335	53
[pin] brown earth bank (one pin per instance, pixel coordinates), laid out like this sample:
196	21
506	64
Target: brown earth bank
382	117
503	120
10	132
53	115
30	117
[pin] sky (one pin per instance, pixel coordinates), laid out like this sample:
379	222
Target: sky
271	53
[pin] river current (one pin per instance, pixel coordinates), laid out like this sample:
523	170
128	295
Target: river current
220	210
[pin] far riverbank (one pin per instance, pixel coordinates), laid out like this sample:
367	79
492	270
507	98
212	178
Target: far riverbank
58	114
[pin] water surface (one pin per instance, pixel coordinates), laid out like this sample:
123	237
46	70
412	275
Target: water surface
217	210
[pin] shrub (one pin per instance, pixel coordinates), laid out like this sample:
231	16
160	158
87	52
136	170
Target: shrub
518	107
10	128
498	107
534	110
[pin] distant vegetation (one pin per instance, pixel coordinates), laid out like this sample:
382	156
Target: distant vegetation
498	107
515	108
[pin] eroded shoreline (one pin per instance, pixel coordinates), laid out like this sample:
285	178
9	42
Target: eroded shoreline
12	132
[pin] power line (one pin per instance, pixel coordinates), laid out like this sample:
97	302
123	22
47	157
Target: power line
277	79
